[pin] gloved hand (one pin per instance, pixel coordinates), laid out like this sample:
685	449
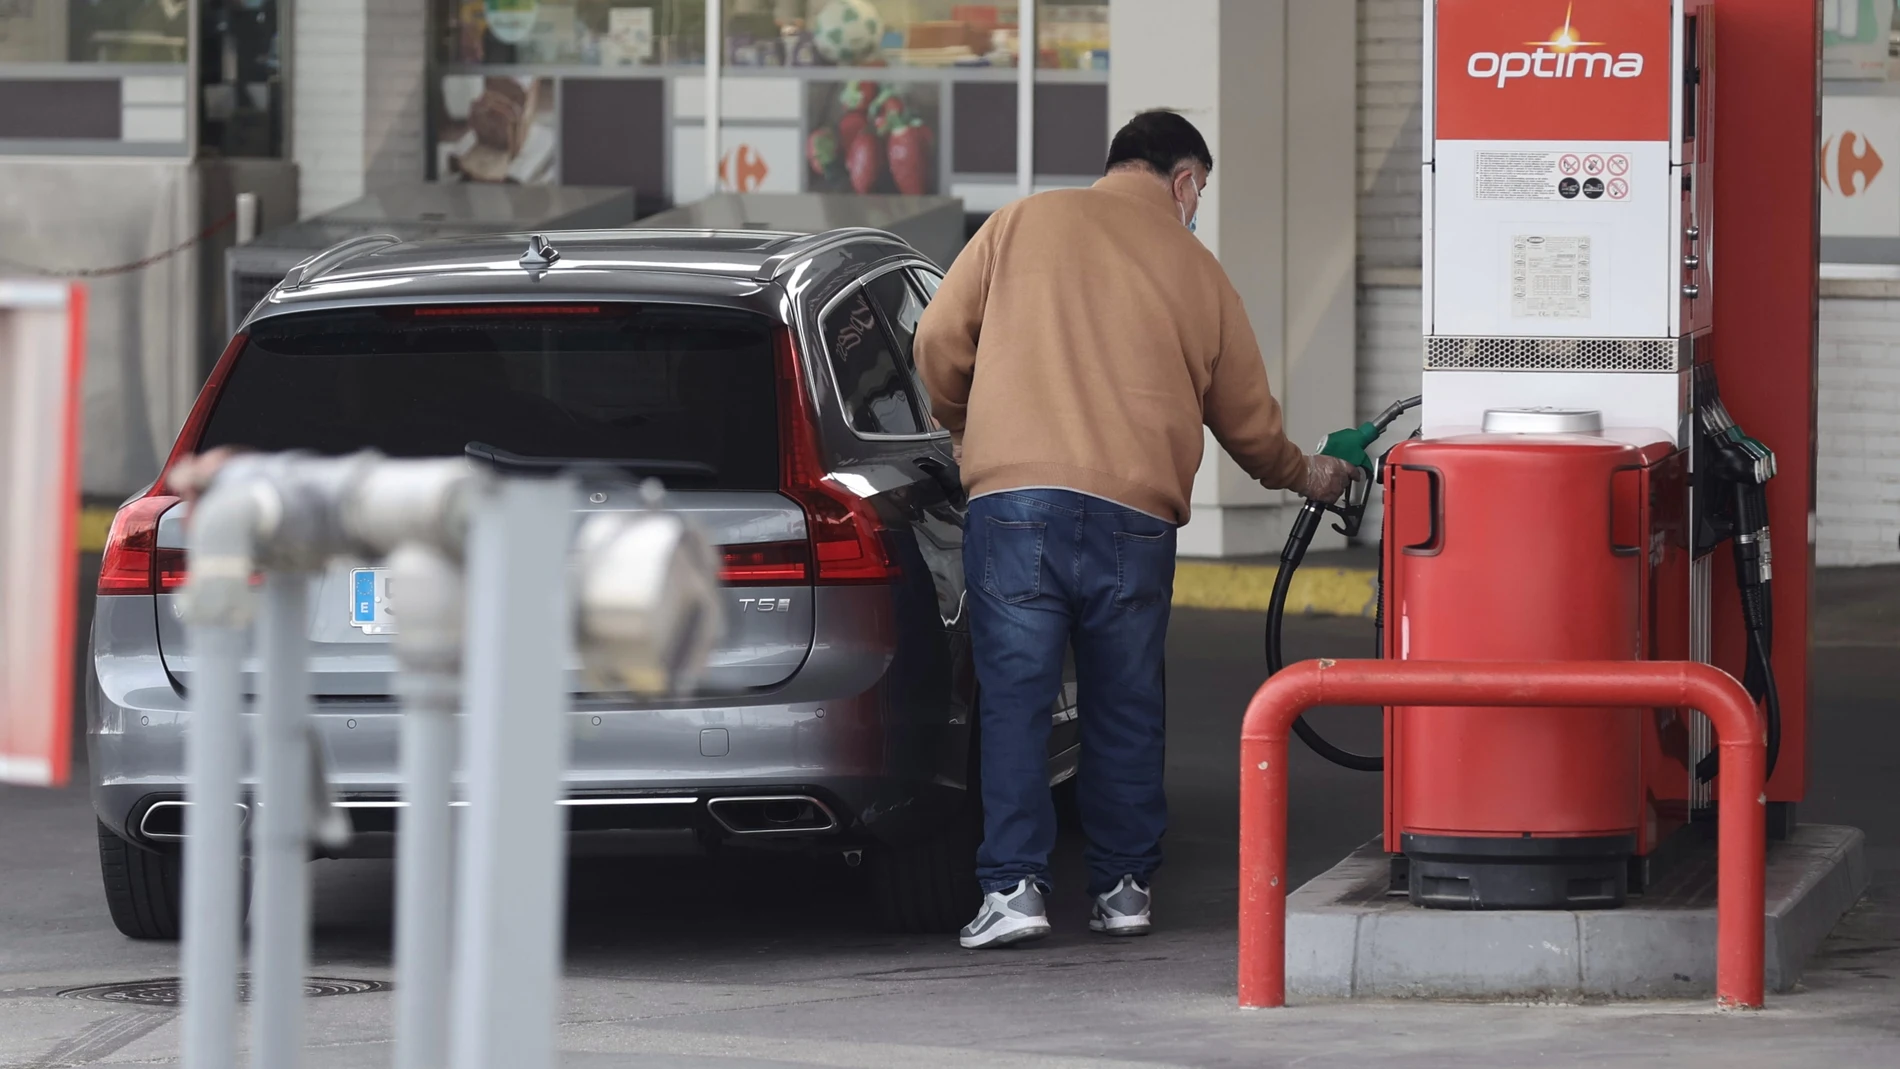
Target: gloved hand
1326	478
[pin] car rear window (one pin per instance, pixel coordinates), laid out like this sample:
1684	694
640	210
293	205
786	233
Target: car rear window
685	393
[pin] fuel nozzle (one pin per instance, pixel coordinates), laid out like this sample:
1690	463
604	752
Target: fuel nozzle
1351	444
1739	458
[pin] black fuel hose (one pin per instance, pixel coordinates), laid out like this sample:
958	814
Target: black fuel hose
1751	527
1304	527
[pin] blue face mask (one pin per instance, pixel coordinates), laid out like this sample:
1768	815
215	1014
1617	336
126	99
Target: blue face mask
1195	218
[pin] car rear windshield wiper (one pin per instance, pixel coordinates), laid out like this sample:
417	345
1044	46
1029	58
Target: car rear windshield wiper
654	467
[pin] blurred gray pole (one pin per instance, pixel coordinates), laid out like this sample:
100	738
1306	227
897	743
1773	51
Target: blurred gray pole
427	591
213	907
715	58
1027	54
512	864
280	826
218	606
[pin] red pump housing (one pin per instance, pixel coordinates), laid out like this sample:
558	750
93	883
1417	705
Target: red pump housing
1530	547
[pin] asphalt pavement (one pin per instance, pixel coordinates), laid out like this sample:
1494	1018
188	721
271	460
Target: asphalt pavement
776	962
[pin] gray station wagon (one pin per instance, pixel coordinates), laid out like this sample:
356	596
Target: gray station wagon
767	380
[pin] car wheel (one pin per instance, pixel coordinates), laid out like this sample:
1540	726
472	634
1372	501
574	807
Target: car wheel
928	886
141	887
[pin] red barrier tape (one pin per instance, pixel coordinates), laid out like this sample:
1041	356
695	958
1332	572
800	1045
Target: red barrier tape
1741	836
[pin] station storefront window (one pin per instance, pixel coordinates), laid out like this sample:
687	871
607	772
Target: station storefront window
1859	162
584	33
834	96
240	79
95	31
96	77
911	33
768	33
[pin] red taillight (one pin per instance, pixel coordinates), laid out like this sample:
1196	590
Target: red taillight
847	538
133	562
764	564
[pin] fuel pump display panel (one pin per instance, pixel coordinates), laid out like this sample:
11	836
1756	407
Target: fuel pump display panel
1552	168
1559	239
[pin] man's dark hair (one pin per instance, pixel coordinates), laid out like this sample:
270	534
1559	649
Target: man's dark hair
1161	140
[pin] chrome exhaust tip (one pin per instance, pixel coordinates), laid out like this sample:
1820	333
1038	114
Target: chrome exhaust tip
772	814
164	822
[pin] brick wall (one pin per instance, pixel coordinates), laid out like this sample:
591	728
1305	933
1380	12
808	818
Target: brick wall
328	61
1390	72
1389	366
396	102
1858	468
358	99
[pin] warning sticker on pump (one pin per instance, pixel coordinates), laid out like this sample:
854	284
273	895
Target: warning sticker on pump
1521	175
1550	277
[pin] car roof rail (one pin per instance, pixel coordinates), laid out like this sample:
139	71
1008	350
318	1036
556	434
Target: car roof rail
811	244
336	256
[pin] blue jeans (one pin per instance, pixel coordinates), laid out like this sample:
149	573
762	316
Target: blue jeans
1047	569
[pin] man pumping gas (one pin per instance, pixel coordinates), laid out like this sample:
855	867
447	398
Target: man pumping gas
1075	349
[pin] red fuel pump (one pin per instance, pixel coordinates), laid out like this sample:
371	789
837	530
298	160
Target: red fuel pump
1578	489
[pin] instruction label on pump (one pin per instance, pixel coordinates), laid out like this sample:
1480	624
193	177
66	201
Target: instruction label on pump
1520	175
1550	277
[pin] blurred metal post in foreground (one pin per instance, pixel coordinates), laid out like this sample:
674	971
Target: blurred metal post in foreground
513	864
635	592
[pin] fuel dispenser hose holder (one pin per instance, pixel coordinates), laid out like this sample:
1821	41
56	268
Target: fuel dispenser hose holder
1742	466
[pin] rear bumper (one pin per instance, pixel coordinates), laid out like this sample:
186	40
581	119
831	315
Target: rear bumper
881	775
782	817
876	722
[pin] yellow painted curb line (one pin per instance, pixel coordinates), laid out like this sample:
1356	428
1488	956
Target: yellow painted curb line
1317	591
93	525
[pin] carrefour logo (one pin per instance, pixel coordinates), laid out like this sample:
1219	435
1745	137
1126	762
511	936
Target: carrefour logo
1564	55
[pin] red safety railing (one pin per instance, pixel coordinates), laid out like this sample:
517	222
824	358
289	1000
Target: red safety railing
1741	845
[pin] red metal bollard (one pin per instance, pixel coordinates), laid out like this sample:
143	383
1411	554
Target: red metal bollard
1740	736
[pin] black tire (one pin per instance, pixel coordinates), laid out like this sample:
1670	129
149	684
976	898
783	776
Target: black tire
928	887
141	887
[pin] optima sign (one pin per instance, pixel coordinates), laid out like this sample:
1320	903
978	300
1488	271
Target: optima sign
1511	65
1552	70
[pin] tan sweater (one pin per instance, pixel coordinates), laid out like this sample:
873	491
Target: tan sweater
1081	340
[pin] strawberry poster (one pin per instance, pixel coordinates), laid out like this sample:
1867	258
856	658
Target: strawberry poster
872	137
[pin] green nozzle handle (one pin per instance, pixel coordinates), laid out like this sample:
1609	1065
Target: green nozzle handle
1350	443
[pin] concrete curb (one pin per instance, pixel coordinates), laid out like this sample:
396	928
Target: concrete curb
1347	938
1315	591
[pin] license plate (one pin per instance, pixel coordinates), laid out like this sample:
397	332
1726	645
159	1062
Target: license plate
369	601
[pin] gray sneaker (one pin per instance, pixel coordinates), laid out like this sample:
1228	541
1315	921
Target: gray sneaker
1015	915
1123	910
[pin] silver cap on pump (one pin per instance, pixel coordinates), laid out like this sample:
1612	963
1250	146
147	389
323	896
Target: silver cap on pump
1543	421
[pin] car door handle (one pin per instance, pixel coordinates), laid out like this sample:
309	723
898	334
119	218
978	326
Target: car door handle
946	476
